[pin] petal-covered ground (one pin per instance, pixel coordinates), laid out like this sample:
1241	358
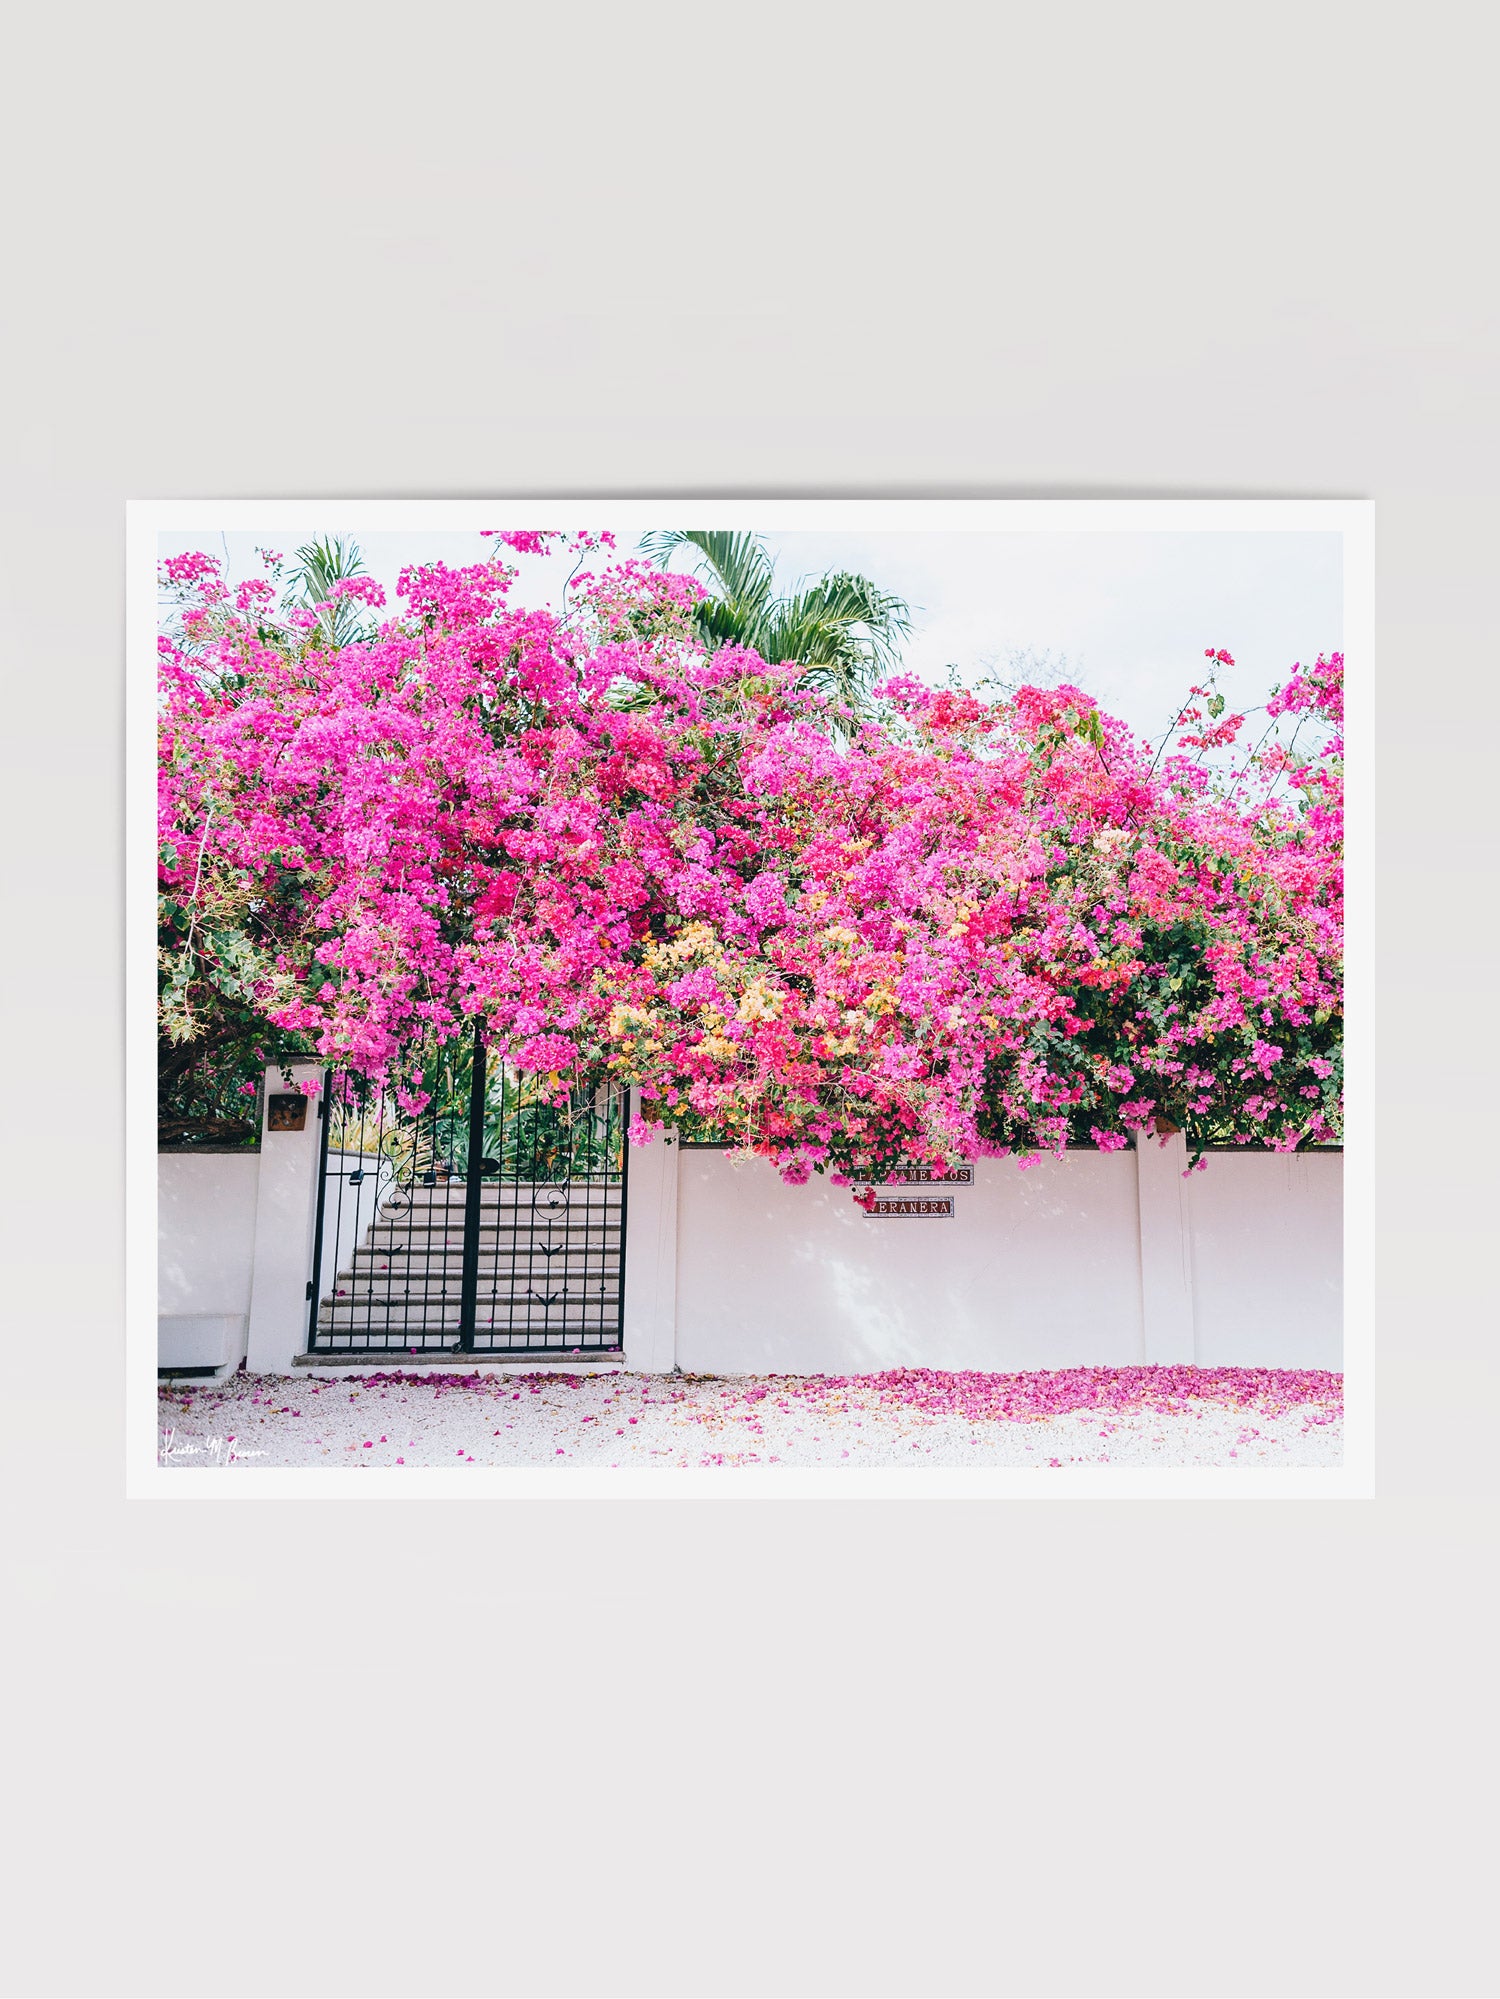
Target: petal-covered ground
1174	1416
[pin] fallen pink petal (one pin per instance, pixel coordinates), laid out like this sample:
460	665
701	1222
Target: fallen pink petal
1179	1416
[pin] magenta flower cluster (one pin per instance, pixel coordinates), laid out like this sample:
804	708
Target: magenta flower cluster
959	926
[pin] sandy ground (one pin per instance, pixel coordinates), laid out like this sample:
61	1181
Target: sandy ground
1140	1416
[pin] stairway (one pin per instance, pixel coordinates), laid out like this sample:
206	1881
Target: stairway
550	1257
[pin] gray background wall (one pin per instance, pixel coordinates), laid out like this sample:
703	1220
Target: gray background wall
1080	249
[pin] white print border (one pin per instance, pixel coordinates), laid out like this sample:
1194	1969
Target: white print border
1353	520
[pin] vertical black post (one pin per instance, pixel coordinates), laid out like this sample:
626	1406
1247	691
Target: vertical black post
473	1192
314	1283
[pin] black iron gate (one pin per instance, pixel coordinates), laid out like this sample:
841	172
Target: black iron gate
492	1222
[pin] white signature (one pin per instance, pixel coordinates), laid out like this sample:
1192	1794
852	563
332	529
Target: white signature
218	1450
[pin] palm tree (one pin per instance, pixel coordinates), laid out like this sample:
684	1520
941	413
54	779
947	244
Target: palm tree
840	628
318	566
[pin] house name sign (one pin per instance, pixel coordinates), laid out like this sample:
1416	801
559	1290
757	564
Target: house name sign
928	1207
888	1200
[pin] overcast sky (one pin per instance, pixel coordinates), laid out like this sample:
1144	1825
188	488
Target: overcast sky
1126	616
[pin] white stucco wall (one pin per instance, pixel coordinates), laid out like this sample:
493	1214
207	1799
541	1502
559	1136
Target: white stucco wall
205	1231
1036	1269
206	1209
1094	1259
1265	1241
286	1205
235	1235
650	1290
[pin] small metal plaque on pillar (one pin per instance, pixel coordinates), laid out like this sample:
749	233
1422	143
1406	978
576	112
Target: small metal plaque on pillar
925	1207
287	1113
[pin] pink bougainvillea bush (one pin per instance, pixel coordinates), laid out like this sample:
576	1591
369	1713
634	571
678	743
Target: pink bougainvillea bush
955	925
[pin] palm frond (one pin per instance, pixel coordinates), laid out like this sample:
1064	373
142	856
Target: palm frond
722	622
842	629
316	567
737	563
845	602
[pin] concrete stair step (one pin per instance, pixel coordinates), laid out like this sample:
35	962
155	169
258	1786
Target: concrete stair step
507	1216
595	1357
442	1258
601	1213
411	1274
433	1252
512	1194
399	1326
579	1284
446	1354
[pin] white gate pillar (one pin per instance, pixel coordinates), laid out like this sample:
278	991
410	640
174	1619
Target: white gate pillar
286	1206
1166	1256
650	1314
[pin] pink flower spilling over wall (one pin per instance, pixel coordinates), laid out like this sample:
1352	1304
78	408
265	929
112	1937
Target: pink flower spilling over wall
962	927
